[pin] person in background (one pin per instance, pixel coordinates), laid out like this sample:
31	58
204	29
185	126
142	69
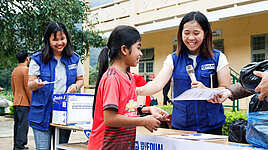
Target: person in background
165	93
21	100
115	102
1	89
194	48
140	81
57	63
236	91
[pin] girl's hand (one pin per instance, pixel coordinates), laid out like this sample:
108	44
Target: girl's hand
151	123
221	97
159	113
72	88
198	84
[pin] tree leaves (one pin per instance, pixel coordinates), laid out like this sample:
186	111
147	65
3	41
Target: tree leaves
23	24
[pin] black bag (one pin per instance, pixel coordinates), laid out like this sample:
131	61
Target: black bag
256	105
247	79
249	82
237	131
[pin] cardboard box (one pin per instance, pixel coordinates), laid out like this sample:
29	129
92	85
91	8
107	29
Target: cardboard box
71	108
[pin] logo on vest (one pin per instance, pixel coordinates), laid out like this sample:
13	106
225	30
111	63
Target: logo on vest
208	66
72	66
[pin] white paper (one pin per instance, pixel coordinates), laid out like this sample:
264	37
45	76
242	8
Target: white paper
198	94
46	82
197	136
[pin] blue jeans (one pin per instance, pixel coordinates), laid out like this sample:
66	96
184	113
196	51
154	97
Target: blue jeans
43	138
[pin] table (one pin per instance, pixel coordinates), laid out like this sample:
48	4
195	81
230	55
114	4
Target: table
160	140
67	146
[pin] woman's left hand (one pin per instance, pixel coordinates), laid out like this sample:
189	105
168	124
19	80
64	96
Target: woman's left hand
159	113
198	84
72	89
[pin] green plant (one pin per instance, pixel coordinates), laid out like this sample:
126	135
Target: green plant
7	95
230	117
11	110
167	108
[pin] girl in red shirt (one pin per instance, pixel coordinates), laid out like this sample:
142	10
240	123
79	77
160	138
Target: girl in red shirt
115	103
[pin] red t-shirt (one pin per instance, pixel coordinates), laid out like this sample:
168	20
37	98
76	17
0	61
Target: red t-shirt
140	81
115	91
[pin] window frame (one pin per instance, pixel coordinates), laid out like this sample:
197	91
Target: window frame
260	51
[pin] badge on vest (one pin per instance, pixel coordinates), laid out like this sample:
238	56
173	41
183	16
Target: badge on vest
208	66
72	66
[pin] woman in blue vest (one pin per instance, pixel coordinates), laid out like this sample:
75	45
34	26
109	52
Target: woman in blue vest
55	62
194	48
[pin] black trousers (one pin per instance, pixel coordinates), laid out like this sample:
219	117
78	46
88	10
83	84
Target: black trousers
165	93
20	126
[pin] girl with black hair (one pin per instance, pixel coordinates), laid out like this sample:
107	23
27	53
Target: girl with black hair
58	64
194	48
115	116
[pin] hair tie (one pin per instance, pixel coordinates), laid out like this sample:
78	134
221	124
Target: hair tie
107	47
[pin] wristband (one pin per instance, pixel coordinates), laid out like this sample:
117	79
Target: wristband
76	87
139	109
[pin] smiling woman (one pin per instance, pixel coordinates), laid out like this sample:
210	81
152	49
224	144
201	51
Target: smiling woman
55	69
195	49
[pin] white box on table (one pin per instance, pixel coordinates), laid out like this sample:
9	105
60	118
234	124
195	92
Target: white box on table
71	108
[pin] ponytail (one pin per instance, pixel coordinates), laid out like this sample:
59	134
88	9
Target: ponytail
103	66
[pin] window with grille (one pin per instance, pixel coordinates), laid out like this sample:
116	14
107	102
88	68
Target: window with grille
259	47
146	65
219	44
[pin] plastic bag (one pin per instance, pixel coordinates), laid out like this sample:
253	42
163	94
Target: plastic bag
237	131
247	79
257	129
256	105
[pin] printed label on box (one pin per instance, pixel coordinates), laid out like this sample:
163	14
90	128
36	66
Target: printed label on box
70	108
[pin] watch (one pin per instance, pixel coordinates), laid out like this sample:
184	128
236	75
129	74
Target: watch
139	109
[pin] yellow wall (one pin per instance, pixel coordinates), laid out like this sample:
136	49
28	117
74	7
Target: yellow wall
237	37
237	42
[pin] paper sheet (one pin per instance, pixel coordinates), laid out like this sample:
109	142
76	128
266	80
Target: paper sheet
197	136
198	94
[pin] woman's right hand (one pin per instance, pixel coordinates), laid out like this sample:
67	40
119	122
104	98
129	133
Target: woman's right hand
151	123
38	83
221	97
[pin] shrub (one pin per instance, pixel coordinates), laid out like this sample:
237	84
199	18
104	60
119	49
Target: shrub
11	110
8	95
167	108
230	117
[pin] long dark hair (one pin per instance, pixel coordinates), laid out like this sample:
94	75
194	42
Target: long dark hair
121	35
53	28
206	48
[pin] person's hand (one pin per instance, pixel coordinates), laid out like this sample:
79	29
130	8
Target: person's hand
220	98
72	88
198	84
159	113
151	123
38	83
263	86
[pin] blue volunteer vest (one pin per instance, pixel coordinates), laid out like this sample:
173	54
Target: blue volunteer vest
195	115
41	99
